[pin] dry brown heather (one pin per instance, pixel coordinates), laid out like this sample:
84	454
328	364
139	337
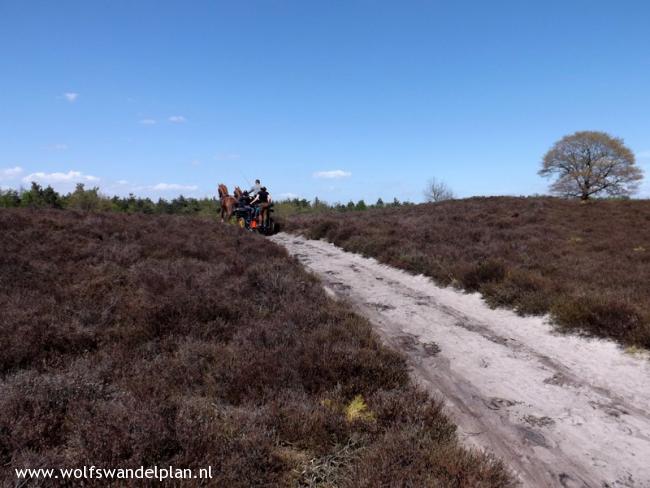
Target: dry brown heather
133	340
586	264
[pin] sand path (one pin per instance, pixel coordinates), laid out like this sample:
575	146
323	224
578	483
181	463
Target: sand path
560	410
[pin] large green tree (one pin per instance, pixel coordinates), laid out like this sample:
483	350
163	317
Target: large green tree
589	163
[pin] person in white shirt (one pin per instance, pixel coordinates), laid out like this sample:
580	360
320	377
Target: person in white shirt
255	189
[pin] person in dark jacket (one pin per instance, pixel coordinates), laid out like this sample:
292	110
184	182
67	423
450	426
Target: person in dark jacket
262	200
244	203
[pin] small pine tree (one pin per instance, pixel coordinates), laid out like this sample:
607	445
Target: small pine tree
87	200
9	199
38	197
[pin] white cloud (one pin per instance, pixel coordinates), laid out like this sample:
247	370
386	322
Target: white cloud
195	162
69	177
287	196
643	154
122	182
71	96
177	119
333	174
173	186
227	156
10	173
147	121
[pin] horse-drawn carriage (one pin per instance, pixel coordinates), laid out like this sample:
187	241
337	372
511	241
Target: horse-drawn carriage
254	219
247	219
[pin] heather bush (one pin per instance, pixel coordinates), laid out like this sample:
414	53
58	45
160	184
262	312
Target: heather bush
323	229
587	265
616	318
484	272
134	340
526	291
423	461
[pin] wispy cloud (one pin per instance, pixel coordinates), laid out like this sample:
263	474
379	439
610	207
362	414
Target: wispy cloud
643	154
71	96
287	196
333	174
124	187
227	156
177	119
58	147
69	177
10	173
173	186
147	121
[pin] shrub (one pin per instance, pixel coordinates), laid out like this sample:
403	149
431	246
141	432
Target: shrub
614	318
483	273
525	291
322	229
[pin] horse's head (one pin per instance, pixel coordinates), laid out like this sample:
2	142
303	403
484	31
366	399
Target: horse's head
237	192
223	190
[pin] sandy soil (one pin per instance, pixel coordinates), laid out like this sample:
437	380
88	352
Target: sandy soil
560	410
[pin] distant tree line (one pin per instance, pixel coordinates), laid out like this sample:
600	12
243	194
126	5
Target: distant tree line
302	205
90	199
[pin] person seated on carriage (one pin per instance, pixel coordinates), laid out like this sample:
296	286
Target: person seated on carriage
244	203
261	202
255	188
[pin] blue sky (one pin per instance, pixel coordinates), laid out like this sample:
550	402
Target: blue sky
335	99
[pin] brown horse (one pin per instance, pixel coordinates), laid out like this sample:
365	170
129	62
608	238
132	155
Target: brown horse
228	203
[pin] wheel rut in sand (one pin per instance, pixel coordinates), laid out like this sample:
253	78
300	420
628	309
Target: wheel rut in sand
560	410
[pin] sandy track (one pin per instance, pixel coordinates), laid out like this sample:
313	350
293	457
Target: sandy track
560	410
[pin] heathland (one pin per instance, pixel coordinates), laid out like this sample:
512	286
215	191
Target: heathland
587	264
132	340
